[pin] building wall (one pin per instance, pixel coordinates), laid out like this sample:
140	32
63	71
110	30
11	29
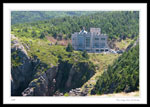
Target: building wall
93	41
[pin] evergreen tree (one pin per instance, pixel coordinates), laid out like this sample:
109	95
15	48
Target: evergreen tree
123	75
34	34
69	48
85	54
42	35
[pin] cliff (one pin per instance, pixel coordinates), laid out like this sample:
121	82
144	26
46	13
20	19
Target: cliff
33	77
60	79
22	67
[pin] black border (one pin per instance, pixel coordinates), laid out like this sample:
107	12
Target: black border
43	1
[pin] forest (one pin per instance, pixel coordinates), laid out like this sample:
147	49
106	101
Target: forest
117	24
31	16
123	75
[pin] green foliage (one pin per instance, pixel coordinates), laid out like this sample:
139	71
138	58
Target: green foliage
69	48
15	59
85	54
66	94
42	35
34	34
31	16
115	24
51	55
123	75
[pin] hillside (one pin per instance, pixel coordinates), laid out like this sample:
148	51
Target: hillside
123	75
43	62
36	64
32	16
123	24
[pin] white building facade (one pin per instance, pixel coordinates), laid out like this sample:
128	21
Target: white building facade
92	41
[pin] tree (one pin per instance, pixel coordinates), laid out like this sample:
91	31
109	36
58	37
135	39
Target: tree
69	48
56	43
34	34
122	75
25	30
42	35
85	54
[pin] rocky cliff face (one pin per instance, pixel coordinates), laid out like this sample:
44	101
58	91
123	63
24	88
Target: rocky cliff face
44	85
22	69
28	80
57	80
71	76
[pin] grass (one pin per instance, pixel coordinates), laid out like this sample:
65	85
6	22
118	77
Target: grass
15	59
102	61
66	94
40	48
49	55
123	44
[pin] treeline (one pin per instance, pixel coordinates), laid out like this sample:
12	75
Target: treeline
32	16
115	24
123	75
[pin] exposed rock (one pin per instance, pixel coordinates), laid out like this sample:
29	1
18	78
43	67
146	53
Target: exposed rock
112	44
28	92
132	45
73	76
71	73
53	80
21	74
26	80
44	85
57	93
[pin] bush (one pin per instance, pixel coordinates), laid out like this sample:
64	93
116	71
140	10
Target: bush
42	35
66	94
85	54
69	48
123	75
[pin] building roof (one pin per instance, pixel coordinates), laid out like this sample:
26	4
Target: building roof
83	32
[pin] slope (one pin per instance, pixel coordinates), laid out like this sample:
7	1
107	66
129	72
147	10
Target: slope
123	75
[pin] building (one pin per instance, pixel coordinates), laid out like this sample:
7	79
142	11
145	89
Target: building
92	41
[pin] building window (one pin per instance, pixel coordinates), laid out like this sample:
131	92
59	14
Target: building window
102	45
81	42
102	38
97	50
96	38
88	42
102	50
96	45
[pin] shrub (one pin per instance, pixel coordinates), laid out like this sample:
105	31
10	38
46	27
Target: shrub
69	48
85	54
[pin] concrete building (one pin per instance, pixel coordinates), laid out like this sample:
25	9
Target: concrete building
92	41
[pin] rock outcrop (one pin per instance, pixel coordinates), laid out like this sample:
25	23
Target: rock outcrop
56	81
29	79
21	74
44	85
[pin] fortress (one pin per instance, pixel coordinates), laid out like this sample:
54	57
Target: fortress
92	41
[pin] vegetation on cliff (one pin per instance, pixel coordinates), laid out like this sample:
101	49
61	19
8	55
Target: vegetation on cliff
123	75
76	67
